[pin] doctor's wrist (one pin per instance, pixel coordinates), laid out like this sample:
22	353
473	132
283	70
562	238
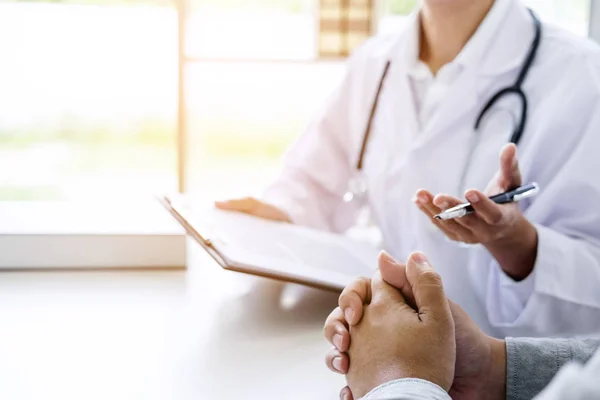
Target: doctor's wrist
516	253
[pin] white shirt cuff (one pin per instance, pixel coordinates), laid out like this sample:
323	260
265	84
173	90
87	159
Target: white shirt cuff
508	298
408	389
519	291
284	204
279	197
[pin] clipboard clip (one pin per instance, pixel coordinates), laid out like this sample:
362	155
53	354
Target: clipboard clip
180	210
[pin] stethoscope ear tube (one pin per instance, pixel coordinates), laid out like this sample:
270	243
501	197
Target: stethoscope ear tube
533	50
518	132
367	133
517	87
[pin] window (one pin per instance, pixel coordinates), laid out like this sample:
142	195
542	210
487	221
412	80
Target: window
392	14
251	29
242	117
253	81
88	99
573	15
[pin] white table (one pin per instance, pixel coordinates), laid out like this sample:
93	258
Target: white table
199	334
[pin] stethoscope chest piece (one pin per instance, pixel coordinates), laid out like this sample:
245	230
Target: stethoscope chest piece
358	188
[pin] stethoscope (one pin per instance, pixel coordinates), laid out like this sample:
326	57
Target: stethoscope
358	186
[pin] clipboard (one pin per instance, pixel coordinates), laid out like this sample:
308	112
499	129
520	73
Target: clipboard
340	259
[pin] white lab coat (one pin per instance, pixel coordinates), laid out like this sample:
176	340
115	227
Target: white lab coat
560	150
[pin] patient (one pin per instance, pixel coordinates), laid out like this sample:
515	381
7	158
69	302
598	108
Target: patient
397	336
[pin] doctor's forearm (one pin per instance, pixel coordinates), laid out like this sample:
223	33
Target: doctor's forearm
517	253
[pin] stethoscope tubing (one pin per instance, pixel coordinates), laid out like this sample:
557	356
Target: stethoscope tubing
515	89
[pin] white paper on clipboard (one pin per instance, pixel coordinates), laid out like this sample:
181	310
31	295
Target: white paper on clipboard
279	250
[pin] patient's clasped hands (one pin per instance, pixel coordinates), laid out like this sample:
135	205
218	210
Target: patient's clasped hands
400	324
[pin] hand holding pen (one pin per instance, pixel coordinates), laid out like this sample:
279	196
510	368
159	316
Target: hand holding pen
499	226
518	194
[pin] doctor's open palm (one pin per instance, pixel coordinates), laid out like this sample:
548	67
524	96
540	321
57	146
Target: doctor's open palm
501	228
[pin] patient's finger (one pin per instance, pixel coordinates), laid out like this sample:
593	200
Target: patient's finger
336	361
394	273
383	292
352	299
336	330
346	394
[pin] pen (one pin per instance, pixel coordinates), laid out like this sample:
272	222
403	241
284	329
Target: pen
517	194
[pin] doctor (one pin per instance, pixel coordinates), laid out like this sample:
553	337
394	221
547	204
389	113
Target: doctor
419	110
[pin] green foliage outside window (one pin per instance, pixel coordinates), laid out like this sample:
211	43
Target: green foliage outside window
400	7
97	2
394	7
294	6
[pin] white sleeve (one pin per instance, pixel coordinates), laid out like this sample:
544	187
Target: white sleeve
408	389
575	382
320	163
561	296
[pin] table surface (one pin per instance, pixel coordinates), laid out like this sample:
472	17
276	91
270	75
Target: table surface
204	333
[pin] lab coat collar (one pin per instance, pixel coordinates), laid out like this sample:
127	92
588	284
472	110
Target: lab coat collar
508	48
497	46
415	68
476	48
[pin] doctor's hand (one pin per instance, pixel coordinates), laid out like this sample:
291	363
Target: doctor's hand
501	228
480	368
254	207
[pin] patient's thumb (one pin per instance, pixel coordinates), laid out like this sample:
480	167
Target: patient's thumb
427	286
392	271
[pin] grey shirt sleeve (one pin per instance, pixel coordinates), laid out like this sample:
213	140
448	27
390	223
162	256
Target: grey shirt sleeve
575	382
532	363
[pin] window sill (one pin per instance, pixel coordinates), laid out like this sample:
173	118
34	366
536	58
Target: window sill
89	235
